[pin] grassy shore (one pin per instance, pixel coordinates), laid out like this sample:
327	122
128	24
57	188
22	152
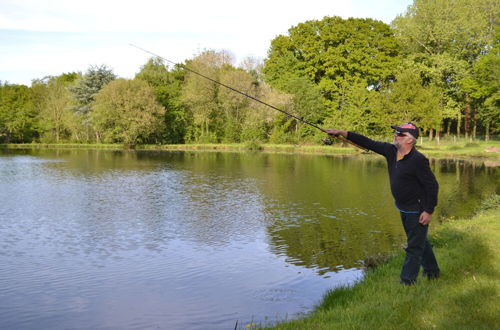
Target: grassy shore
445	149
466	296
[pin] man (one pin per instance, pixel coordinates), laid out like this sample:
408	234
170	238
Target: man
415	191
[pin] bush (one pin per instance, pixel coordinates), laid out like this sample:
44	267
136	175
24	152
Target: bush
253	145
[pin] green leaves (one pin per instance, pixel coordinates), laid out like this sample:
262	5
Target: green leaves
17	113
334	52
337	61
126	111
91	83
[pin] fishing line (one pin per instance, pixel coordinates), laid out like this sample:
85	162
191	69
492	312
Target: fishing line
249	96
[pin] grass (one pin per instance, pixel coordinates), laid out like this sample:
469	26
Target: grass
464	148
466	296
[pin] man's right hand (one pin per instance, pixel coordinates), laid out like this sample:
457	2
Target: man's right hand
336	132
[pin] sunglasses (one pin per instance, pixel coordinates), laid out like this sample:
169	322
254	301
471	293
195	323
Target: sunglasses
399	133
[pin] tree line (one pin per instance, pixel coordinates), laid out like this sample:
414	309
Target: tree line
436	65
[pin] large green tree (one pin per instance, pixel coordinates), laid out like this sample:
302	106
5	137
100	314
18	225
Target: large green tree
167	85
447	37
17	114
126	111
89	85
342	58
85	91
484	87
56	119
409	99
201	96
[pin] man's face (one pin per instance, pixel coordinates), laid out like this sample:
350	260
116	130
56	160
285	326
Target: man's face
400	138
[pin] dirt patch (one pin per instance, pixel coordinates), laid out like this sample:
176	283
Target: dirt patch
492	149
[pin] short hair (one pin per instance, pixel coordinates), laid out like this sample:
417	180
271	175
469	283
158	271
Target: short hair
412	137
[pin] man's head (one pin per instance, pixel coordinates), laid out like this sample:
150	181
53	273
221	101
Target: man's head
407	127
405	133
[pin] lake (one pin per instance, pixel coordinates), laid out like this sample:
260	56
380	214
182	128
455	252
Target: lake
95	239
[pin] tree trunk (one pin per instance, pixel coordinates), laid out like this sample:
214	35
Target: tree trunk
448	129
487	131
459	121
431	133
437	137
474	128
468	116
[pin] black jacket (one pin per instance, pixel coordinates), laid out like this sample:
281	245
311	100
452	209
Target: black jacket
413	184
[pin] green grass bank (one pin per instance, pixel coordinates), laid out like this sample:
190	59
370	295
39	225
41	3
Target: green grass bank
466	296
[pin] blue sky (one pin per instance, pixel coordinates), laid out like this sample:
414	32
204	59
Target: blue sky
41	38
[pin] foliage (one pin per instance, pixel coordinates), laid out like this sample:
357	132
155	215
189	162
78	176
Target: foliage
167	88
89	85
17	113
407	99
330	66
56	119
446	38
484	86
201	95
436	65
220	114
126	111
334	53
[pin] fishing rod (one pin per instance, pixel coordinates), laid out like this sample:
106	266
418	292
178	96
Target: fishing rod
326	141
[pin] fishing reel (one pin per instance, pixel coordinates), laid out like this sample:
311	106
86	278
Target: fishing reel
327	141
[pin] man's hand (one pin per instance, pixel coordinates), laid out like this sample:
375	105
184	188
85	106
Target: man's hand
425	218
336	132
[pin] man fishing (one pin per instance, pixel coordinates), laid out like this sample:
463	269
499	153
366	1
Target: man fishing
415	191
413	185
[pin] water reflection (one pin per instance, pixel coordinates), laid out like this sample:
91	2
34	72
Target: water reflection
184	240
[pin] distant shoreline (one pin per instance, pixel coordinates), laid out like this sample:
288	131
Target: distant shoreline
462	150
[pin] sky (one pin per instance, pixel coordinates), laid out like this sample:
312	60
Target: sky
51	37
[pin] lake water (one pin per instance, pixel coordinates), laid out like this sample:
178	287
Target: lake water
195	240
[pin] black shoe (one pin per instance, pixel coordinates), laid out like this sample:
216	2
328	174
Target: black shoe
431	276
407	283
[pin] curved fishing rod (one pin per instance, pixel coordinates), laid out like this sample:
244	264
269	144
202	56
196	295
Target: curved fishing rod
249	96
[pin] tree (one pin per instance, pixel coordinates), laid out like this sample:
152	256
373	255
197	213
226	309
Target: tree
126	111
167	86
334	53
235	107
17	113
408	99
89	85
87	88
448	36
329	66
357	113
201	95
308	104
484	87
55	118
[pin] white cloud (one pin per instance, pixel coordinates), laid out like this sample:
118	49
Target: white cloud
84	33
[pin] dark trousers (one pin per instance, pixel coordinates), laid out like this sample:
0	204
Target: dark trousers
419	250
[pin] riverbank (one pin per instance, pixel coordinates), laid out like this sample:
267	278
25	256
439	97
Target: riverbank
445	149
464	297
